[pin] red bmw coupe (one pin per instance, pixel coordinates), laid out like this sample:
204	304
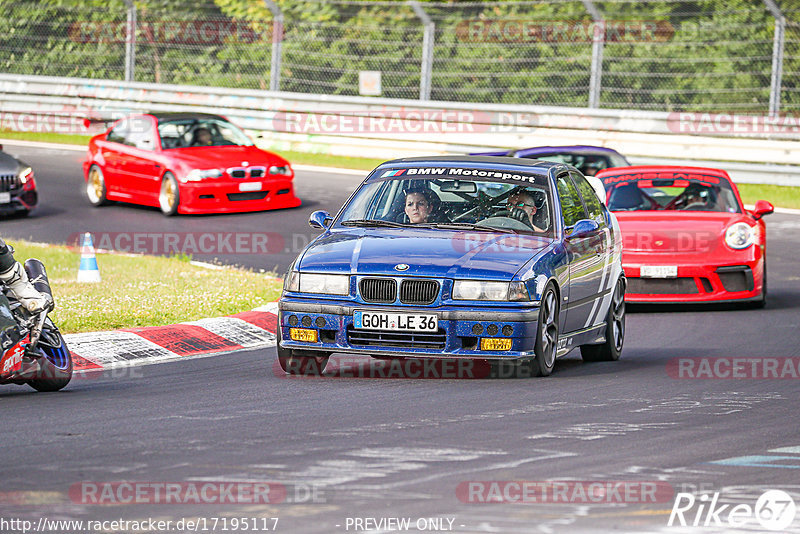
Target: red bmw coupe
185	163
686	235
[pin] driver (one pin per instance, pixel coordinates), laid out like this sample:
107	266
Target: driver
522	207
202	137
14	277
693	197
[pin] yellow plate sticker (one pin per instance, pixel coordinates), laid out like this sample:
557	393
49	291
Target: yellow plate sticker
303	334
499	343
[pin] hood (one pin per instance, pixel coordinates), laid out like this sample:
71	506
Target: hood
222	157
675	231
433	253
9	164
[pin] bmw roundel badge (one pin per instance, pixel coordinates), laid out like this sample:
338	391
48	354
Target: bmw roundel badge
401	267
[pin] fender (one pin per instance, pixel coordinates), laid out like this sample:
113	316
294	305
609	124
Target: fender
12	359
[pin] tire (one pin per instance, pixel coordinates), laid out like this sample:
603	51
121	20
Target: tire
169	195
546	346
58	373
301	363
611	350
96	187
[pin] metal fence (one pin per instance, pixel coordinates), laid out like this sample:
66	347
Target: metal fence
723	55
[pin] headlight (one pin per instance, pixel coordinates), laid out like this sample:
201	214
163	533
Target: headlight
476	290
196	175
25	175
328	284
739	235
292	281
282	169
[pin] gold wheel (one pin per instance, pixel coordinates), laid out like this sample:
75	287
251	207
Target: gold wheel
95	186
169	196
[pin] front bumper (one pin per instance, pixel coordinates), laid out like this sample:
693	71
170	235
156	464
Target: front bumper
225	197
699	279
455	337
23	199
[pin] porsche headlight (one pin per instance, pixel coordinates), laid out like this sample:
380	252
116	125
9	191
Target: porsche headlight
327	284
497	291
25	175
196	175
739	235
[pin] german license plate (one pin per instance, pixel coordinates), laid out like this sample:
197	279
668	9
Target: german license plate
250	186
5	198
659	271
404	322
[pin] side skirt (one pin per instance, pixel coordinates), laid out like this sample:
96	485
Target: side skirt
588	336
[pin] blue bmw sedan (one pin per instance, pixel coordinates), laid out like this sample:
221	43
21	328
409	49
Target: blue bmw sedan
459	257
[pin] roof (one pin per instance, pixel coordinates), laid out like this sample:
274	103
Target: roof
182	115
585	149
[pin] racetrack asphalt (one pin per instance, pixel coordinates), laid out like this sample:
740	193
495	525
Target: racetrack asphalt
345	447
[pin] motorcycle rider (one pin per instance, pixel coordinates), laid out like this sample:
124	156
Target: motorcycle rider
14	277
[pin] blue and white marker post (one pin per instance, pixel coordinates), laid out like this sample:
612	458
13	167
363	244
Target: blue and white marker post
88	271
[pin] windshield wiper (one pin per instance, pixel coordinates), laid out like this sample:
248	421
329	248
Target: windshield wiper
470	226
374	222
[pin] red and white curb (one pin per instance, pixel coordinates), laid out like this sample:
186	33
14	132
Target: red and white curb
156	344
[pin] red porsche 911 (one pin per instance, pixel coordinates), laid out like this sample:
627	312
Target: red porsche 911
686	235
185	163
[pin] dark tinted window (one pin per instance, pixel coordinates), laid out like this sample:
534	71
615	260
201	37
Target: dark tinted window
571	205
590	200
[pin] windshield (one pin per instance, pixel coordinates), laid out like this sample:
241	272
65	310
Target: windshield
183	133
453	203
709	194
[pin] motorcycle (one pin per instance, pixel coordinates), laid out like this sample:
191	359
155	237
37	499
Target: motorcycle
33	350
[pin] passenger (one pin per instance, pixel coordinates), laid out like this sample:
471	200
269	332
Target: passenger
421	206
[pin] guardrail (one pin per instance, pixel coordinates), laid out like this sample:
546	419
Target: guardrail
752	148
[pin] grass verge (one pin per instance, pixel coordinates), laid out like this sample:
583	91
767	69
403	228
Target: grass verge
144	290
783	196
46	137
780	195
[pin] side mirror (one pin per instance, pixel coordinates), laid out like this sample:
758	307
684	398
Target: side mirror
583	227
762	208
320	220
